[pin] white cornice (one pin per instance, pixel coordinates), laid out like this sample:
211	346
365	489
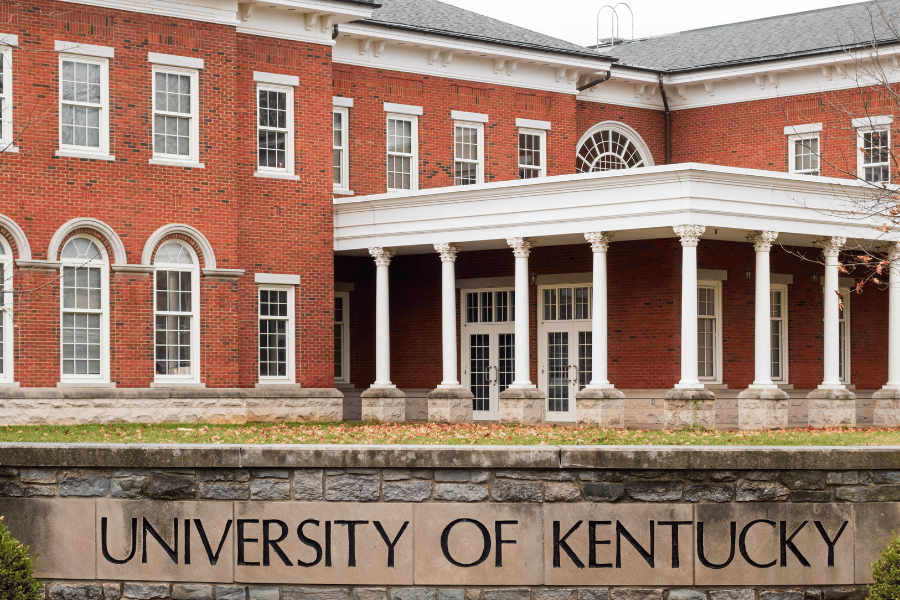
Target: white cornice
207	11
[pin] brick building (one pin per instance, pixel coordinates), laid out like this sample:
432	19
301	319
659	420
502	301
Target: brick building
180	243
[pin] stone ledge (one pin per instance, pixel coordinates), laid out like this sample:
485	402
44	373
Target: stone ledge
89	393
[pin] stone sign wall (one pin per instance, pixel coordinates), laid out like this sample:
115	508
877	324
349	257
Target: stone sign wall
513	523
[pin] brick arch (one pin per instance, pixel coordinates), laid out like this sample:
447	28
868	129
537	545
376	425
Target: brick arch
95	227
180	237
183	232
86	232
16	237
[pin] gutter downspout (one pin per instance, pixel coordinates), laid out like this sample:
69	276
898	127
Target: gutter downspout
588	86
662	91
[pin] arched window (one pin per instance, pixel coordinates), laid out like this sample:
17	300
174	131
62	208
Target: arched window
6	313
85	311
176	306
609	146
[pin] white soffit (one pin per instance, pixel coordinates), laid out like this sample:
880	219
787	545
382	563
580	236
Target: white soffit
461	115
342	102
403	109
290	80
84	49
532	124
801	129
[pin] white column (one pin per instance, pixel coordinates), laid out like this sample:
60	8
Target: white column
762	243
831	247
521	249
448	313
894	319
690	237
599	336
382	258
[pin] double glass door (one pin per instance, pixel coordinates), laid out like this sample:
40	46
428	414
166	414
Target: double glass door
564	347
488	344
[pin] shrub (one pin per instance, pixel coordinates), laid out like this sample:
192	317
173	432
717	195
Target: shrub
886	573
17	580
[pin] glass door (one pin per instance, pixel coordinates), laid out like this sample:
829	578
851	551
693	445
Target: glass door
488	348
564	348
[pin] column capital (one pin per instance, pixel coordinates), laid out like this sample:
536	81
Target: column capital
831	246
762	240
521	247
599	240
448	252
893	251
382	256
689	234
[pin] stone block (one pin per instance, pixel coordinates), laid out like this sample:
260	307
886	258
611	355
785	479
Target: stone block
515	594
167	486
561	492
762	409
315	594
603	492
450	405
744	594
522	406
192	592
655	491
270	489
636	594
130	487
84	486
396	474
480	476
407	491
831	408
37	475
222	475
413	594
308	484
225	491
600	408
60	591
230	592
451	475
709	492
687	595
369	594
537	474
554	594
112	591
689	409
456	594
886	412
263	593
804	480
781	595
144	591
593	594
455	492
760	491
384	405
516	491
842	478
352	488
271	473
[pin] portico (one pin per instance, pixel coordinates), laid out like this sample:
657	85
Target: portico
660	276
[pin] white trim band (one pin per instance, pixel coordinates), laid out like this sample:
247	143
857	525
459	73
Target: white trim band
275	78
171	60
342	102
403	109
805	128
84	49
9	39
276	279
873	121
532	124
461	115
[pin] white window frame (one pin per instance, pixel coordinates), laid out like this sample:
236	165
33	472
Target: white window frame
344	184
542	136
194	269
414	167
871	125
846	346
783	290
6	312
159	158
103	263
479	127
6	101
717	286
792	153
345	337
288	168
291	366
102	151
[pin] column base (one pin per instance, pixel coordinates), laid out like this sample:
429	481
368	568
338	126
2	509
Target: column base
450	405
523	405
690	408
386	404
831	407
602	407
887	407
762	408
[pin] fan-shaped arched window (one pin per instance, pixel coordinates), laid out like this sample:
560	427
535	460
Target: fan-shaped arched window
609	146
176	305
6	312
85	311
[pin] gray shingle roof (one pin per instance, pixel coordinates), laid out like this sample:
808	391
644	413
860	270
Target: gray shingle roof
432	16
796	34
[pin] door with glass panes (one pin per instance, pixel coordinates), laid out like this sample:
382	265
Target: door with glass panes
564	347
488	348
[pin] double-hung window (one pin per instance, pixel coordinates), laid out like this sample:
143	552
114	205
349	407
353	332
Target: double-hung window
402	152
6	313
176	316
6	104
468	153
275	128
873	141
341	337
341	122
83	105
779	330
804	149
84	312
532	153
709	331
176	110
276	334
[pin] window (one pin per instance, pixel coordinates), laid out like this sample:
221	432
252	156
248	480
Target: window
804	154
491	307
468	153
275	126
342	337
175	114
844	339
402	153
874	154
84	104
532	154
779	346
610	146
84	311
339	149
176	313
6	104
6	313
709	331
566	303
276	334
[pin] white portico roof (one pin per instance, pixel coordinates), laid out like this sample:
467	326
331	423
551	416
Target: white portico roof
637	204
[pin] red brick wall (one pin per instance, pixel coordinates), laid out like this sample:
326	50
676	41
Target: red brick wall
650	124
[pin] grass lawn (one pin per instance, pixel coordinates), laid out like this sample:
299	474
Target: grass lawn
432	434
